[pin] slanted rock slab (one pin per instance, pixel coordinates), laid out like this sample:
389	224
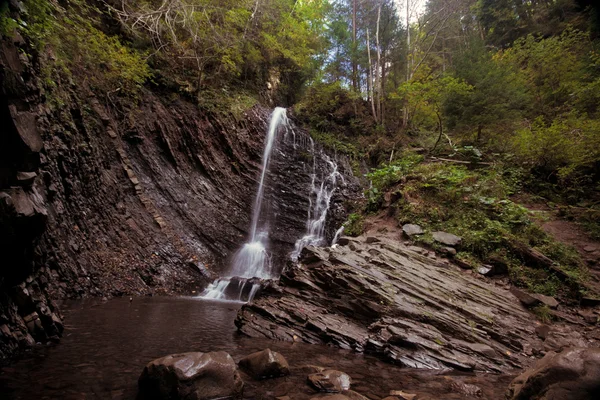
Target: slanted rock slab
330	381
191	376
265	364
573	374
447	239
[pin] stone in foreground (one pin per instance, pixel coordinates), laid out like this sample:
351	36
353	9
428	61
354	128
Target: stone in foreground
447	239
265	364
330	380
573	374
191	376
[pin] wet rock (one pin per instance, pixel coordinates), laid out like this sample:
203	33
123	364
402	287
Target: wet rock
191	376
372	239
447	239
330	381
573	374
412	230
265	364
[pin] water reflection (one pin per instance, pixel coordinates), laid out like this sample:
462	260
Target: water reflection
107	344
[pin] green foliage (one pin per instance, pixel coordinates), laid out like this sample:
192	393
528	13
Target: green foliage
7	23
73	47
354	226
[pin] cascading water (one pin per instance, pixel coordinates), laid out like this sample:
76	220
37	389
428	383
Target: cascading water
252	260
318	208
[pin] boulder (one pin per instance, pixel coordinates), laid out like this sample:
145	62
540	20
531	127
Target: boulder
330	381
447	239
191	376
265	364
412	230
573	374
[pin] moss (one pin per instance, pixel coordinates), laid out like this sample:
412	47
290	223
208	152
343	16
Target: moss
354	226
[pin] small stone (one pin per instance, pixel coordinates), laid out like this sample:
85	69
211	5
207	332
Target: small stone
485	270
412	230
525	298
265	364
330	381
372	239
447	238
547	300
451	251
590	248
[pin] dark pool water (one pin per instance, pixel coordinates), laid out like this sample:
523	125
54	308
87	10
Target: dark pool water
106	345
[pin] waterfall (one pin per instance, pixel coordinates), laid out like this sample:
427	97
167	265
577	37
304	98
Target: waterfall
319	200
337	235
252	260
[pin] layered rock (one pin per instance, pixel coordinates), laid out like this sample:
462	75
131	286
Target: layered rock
406	307
108	197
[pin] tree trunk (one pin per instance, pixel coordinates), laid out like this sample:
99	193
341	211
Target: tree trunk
354	64
370	80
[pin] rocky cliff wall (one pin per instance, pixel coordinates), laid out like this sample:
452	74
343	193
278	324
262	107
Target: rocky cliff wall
103	198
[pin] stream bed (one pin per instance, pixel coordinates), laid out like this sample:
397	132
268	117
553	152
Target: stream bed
106	345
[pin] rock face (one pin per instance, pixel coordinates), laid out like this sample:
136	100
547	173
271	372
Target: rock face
404	307
330	380
265	364
191	376
573	374
107	198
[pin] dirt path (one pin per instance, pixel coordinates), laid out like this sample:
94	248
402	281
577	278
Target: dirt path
569	233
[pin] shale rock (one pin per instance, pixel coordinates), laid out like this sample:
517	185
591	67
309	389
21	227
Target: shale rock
573	374
385	299
265	364
191	376
330	380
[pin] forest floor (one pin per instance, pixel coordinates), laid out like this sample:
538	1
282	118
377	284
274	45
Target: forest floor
567	232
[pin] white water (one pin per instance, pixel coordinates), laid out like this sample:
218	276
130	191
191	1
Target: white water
319	200
337	235
253	260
